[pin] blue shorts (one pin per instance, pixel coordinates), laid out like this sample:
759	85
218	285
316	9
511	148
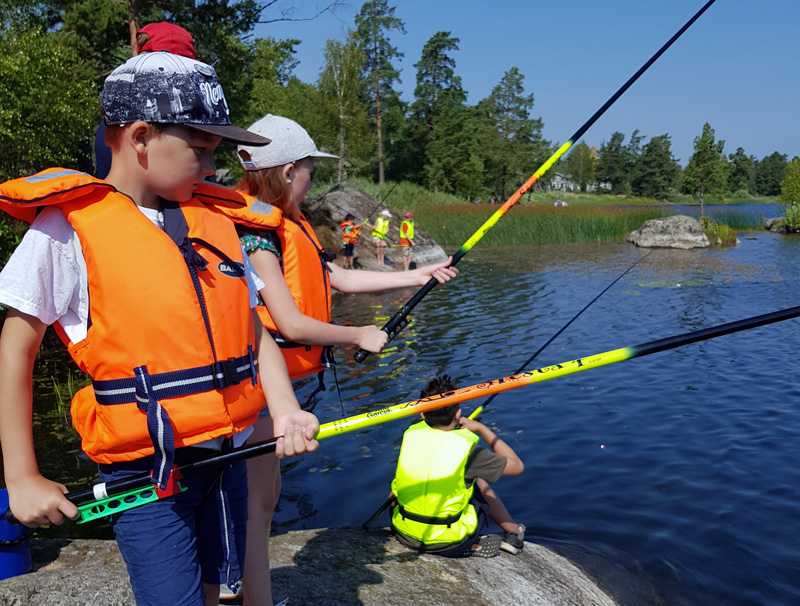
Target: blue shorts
174	545
348	250
463	548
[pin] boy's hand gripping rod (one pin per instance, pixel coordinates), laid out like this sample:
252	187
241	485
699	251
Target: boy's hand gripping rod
132	492
399	320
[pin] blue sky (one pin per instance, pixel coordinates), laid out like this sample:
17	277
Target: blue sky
735	68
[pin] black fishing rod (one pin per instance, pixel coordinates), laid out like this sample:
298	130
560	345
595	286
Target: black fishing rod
527	362
399	320
104	499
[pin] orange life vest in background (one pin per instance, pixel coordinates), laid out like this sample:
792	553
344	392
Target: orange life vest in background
170	322
349	237
305	268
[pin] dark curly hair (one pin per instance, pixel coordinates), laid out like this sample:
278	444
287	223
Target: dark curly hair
439	417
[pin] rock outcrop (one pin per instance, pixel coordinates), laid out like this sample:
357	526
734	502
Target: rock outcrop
678	231
325	567
327	211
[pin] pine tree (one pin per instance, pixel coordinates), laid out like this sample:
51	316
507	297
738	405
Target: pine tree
707	171
373	24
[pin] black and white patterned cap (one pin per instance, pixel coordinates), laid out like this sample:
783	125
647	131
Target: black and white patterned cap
170	89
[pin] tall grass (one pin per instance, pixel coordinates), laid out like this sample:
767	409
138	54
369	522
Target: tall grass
453	225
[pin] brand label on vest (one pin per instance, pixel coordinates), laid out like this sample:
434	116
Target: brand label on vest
235	270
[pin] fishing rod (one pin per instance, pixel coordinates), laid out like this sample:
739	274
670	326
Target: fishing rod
112	497
391	499
398	321
527	362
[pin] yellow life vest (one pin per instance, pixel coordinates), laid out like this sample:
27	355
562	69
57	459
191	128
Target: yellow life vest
407	228
381	228
433	500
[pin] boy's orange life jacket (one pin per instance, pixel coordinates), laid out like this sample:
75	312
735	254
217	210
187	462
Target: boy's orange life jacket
349	236
171	340
305	268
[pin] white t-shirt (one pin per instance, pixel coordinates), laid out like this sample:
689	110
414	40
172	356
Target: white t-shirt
46	277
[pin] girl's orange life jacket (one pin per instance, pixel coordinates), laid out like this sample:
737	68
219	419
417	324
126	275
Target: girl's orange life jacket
305	268
351	236
171	338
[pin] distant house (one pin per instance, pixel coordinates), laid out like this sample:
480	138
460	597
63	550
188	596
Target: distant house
562	182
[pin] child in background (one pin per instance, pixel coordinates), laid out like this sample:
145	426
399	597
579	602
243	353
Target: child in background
172	343
442	484
407	239
349	239
297	302
379	236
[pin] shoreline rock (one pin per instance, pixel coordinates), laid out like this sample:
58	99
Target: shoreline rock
325	567
327	211
678	231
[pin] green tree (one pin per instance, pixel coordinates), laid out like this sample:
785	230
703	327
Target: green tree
439	114
769	174
50	104
373	24
656	170
338	84
707	171
612	164
790	185
741	175
510	139
581	165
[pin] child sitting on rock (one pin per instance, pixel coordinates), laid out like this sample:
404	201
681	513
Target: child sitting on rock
444	500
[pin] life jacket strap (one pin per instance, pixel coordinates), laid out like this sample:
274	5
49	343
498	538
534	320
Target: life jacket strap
158	426
177	383
432	520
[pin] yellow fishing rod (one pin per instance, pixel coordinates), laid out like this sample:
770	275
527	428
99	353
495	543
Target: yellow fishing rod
107	498
399	320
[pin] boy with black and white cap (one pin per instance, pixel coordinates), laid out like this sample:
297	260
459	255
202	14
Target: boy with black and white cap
172	346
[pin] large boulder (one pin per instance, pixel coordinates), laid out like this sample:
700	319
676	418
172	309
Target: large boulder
325	567
327	211
678	231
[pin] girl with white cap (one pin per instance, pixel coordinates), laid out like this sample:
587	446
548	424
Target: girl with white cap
298	275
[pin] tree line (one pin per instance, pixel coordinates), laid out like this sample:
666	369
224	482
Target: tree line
54	55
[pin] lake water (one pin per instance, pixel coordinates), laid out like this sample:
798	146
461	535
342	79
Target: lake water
672	479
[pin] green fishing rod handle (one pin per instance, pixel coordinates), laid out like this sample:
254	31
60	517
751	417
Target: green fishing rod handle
101	508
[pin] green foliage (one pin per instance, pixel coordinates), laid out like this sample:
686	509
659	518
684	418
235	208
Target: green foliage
790	185
655	170
49	103
742	174
717	232
581	165
343	120
769	174
791	220
510	140
707	171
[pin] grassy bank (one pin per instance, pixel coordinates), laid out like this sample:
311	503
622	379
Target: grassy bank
454	224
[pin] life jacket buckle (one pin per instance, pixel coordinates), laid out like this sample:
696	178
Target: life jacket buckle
224	373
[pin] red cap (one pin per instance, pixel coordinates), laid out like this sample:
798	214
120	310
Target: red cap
409	215
167	37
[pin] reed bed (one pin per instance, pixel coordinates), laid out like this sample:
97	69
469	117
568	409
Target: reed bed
454	224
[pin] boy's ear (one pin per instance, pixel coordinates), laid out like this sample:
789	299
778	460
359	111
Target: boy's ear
458	415
138	136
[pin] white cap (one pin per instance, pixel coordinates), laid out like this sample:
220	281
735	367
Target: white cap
290	143
386	213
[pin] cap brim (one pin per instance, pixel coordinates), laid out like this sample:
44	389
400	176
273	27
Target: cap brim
229	132
321	154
